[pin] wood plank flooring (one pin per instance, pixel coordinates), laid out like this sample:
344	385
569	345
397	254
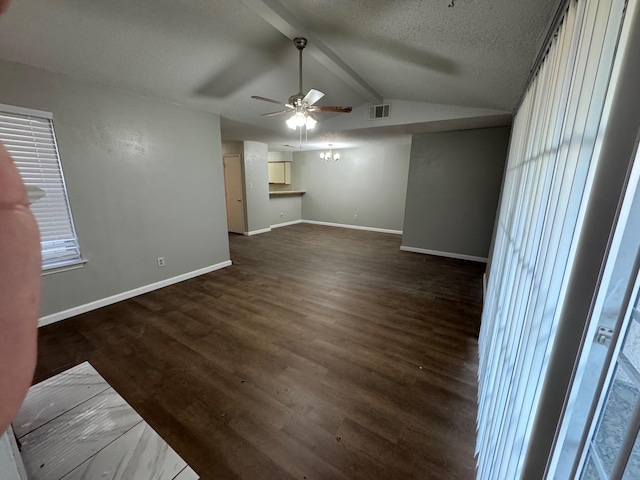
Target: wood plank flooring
322	353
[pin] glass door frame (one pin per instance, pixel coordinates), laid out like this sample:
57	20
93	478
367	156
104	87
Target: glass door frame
616	358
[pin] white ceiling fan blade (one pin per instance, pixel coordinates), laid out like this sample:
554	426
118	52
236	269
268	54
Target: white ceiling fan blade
312	97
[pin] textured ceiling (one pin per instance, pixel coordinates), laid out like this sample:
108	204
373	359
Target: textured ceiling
471	60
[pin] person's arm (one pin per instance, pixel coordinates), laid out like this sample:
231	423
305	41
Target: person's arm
20	272
4	4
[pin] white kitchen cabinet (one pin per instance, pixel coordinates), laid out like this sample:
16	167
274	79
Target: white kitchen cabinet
280	173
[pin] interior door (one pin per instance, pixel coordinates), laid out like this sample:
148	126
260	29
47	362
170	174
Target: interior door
234	192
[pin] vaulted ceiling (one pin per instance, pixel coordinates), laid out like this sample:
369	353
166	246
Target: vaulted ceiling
439	66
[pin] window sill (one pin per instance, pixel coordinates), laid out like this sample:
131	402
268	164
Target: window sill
65	268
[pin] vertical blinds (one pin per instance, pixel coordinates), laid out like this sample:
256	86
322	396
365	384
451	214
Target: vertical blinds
30	140
555	134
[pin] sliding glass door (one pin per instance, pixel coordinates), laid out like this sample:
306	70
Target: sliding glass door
599	436
554	154
614	447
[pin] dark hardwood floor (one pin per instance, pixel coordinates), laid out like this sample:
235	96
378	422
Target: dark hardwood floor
321	353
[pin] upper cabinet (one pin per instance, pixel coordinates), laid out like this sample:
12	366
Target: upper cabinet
280	173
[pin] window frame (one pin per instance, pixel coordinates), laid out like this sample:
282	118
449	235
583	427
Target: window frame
79	261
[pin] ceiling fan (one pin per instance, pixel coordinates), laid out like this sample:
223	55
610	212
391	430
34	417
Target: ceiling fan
301	106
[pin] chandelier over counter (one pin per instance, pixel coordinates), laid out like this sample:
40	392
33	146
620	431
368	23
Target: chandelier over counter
330	156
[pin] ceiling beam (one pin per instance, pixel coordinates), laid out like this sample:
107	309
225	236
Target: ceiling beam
291	26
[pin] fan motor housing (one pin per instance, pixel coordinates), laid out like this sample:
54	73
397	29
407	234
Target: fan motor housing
296	100
300	42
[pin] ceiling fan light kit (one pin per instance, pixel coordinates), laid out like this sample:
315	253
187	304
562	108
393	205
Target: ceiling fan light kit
301	106
298	119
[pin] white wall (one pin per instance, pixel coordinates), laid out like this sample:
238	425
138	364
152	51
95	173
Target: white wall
144	177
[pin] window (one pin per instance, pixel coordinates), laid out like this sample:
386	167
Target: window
554	150
30	140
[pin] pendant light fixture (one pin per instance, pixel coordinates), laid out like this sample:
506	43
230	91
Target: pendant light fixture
330	156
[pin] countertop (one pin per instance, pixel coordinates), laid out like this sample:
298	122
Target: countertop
286	192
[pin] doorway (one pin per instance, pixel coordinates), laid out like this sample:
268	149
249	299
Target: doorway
234	193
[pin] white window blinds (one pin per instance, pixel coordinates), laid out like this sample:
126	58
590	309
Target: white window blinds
553	150
30	140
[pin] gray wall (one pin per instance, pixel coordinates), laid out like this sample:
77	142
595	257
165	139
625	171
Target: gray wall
257	207
285	209
280	156
256	177
230	147
370	182
144	178
453	190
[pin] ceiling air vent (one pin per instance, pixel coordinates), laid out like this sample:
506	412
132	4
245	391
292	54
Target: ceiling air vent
379	111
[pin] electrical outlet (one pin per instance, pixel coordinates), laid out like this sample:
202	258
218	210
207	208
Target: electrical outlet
355	217
160	262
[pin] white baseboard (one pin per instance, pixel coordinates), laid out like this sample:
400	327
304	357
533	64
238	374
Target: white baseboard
258	232
10	458
459	256
286	224
87	307
353	227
